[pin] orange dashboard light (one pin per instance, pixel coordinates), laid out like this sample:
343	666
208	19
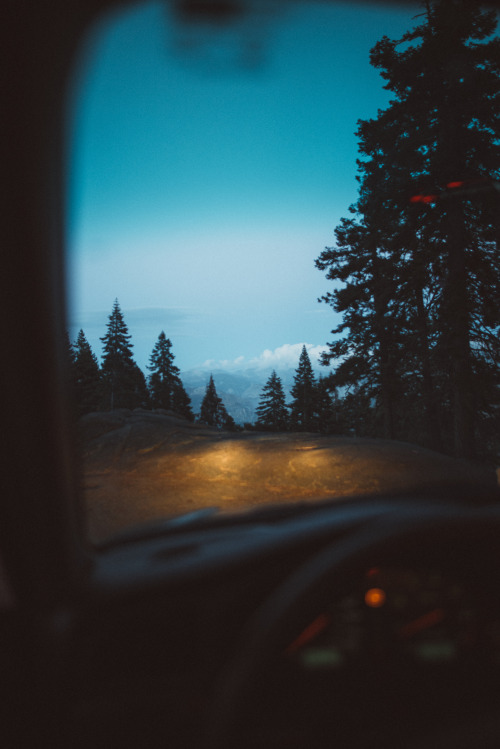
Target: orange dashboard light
375	598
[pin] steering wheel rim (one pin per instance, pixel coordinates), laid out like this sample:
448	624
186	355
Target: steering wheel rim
331	573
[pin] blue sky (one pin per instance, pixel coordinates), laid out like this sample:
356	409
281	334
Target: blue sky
202	191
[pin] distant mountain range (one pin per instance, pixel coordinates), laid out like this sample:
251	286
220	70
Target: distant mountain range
240	390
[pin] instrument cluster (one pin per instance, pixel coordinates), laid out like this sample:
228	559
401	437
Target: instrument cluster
423	615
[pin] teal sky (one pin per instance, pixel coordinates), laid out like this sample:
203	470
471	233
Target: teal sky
201	191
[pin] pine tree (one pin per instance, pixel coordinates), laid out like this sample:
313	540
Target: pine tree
124	384
165	384
213	412
369	354
303	416
87	377
165	375
451	123
419	262
272	413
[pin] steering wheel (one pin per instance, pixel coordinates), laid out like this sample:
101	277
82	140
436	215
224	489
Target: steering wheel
238	715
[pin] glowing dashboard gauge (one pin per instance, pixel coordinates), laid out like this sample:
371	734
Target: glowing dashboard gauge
375	597
421	614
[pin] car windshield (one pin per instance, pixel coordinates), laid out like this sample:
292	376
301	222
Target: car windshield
282	255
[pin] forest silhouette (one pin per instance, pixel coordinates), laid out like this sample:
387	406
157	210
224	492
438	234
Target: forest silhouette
416	267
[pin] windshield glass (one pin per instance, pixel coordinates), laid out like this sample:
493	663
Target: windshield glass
219	354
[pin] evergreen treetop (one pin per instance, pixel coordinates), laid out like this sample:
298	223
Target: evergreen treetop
165	384
213	412
124	382
87	376
303	392
165	375
117	349
272	413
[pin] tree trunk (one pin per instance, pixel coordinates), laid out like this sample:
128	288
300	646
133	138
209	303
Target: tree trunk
458	322
432	426
384	342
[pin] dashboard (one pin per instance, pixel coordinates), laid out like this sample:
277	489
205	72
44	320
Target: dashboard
410	650
419	615
371	623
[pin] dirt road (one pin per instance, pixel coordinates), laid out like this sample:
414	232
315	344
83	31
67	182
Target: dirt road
141	466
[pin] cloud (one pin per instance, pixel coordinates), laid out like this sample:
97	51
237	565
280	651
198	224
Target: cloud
282	357
287	356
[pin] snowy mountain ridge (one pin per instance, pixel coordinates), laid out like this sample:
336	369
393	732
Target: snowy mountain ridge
240	390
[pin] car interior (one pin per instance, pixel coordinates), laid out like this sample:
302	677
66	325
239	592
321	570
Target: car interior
341	623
